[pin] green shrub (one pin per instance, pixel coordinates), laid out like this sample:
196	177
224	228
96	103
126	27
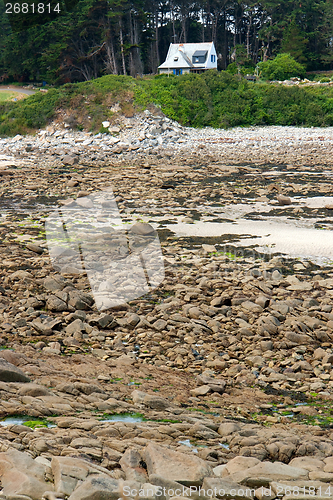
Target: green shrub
215	99
281	68
232	68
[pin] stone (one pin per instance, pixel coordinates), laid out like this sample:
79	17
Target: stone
218	471
160	324
21	475
33	390
133	320
264	494
238	464
105	320
308	463
201	391
70	160
227	428
142	229
97	488
328	467
265	472
283	200
83	201
208	248
131	463
11	373
200	431
149	491
226	490
54	283
76	326
217	385
175	466
80	300
298	338
69	472
319	475
153	402
35	248
251	306
53	303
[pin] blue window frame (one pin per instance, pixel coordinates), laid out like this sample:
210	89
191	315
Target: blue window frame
212	58
177	71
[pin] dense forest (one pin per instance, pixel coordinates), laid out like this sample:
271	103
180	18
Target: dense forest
92	38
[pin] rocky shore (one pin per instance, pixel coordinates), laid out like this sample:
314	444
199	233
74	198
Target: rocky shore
219	382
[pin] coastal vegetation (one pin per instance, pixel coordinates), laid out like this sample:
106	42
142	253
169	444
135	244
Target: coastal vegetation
216	99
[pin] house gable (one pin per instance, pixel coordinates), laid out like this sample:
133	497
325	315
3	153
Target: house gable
189	57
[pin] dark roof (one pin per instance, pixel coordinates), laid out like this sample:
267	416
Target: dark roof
199	53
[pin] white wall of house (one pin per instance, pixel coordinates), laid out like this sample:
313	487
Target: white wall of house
211	63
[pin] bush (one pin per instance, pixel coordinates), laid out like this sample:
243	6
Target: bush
232	68
214	99
282	67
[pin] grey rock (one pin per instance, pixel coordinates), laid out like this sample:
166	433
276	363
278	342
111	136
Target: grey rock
33	390
76	326
35	248
226	490
97	488
143	229
70	160
53	303
10	373
283	200
172	465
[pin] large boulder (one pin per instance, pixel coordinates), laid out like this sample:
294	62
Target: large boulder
149	400
69	473
21	475
97	488
238	464
131	464
175	466
265	472
228	490
11	373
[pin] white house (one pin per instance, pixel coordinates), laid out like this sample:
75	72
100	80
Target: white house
189	58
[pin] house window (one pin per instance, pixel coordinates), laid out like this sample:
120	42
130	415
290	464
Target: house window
175	58
199	56
177	71
212	58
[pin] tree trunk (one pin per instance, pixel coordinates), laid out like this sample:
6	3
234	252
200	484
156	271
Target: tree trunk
156	40
122	46
249	25
173	23
203	25
110	60
184	24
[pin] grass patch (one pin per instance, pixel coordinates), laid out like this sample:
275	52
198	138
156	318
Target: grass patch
35	424
6	96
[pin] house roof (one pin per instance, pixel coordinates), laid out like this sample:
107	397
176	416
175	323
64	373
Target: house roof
200	53
180	54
